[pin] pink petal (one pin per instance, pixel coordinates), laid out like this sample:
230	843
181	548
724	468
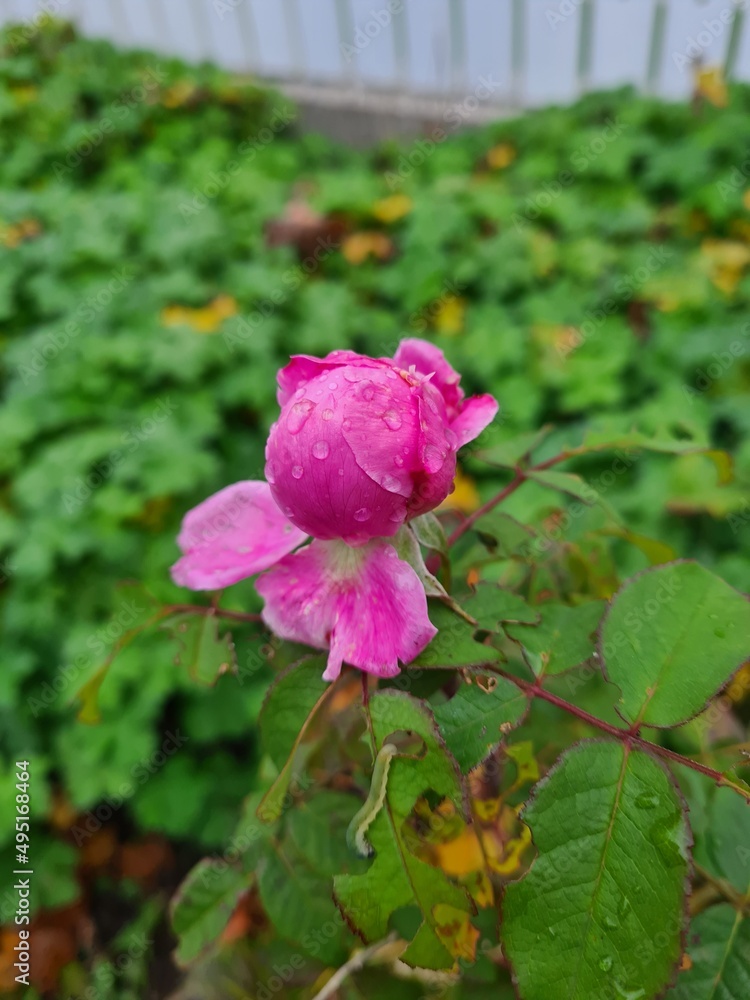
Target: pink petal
429	359
476	413
366	605
235	533
303	368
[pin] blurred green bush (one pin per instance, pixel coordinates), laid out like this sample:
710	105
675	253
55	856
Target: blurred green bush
167	239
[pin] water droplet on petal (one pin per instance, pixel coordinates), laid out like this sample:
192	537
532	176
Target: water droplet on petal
297	471
347	424
327	414
270	472
398	515
433	458
452	438
432	404
367	391
341	472
363	514
392	420
288	511
398	461
390	483
300	392
298	415
321	449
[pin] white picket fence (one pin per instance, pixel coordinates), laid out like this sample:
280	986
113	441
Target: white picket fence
533	51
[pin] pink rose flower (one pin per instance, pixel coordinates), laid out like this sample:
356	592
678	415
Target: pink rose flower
361	446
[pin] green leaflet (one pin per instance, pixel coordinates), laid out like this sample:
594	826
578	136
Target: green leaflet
600	913
471	720
719	949
672	637
396	878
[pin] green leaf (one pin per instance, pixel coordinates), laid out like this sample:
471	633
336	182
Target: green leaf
204	903
204	650
429	532
317	828
609	879
719	949
491	605
728	838
291	703
564	637
471	720
565	482
500	532
673	636
396	878
454	645
509	454
300	905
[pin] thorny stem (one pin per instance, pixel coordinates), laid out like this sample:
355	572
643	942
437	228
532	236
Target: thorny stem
628	736
521	475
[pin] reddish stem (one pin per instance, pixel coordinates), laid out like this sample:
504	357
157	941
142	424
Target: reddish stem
520	477
535	690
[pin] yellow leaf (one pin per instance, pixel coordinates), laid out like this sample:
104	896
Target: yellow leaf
359	246
486	810
710	83
726	261
206	319
11	236
180	92
449	315
392	209
461	855
522	755
511	858
501	156
464	496
455	930
479	887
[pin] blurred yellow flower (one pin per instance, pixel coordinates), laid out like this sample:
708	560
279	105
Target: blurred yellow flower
359	246
501	156
391	209
710	83
449	315
206	319
464	496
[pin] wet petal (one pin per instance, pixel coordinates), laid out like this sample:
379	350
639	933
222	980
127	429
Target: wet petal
303	368
430	360
476	413
235	533
366	605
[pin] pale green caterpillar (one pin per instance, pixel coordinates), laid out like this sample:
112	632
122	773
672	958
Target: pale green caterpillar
355	834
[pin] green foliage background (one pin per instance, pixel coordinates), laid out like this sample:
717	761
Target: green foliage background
527	262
